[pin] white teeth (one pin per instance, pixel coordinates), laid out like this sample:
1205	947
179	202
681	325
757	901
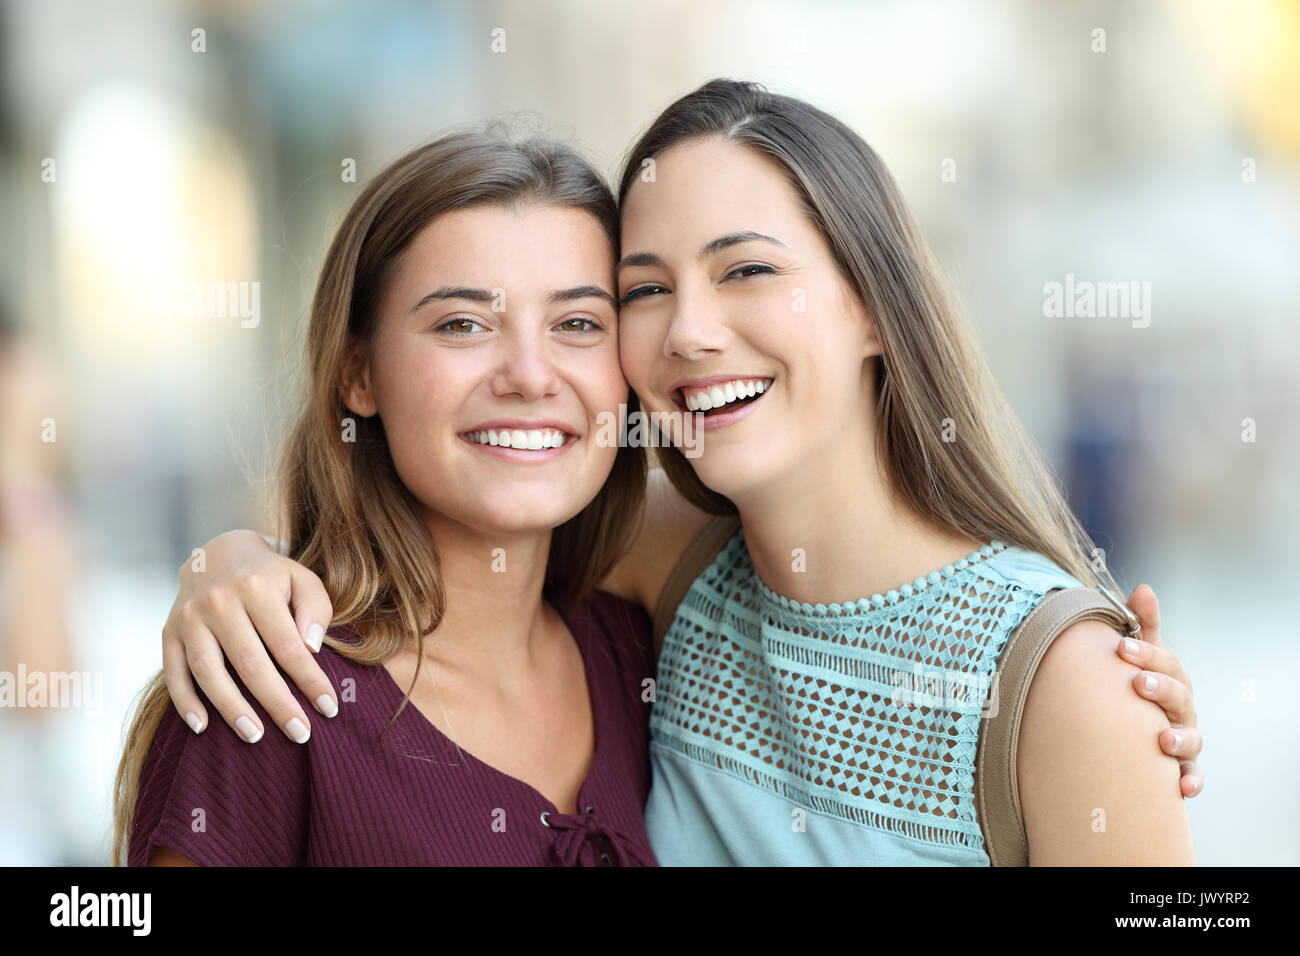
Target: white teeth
534	439
715	396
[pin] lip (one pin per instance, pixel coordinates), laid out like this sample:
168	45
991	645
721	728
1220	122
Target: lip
711	422
523	424
520	455
714	380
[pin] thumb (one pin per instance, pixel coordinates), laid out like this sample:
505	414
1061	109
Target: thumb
1143	603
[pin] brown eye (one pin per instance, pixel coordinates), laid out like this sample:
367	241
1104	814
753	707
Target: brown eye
459	326
640	292
752	269
582	325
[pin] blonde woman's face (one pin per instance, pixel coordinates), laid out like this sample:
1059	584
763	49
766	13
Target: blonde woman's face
497	348
727	289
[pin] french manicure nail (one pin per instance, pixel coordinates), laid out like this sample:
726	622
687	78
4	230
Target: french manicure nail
248	730
315	636
297	731
192	719
1152	683
325	704
1130	647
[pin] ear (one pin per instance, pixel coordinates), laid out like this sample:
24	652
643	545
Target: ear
870	339
356	388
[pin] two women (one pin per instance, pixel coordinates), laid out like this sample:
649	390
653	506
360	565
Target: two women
772	280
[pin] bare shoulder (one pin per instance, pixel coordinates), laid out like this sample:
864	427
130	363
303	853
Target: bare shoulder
669	525
1095	788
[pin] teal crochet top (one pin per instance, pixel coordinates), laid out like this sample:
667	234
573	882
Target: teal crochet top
785	733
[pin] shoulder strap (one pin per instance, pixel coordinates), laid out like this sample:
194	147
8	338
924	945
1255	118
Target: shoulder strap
997	794
699	554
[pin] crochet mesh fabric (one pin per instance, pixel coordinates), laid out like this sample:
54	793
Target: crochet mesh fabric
869	713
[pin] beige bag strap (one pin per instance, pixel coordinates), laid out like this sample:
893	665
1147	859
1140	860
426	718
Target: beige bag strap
699	554
997	794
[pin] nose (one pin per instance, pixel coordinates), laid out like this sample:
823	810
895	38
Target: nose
698	328
527	369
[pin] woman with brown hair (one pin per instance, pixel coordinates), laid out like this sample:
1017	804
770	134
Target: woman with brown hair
444	475
773	283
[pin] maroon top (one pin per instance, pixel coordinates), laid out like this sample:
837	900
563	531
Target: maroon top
346	799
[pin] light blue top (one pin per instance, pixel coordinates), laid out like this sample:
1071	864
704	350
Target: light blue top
814	735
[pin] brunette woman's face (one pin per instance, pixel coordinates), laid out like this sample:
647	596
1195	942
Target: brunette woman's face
496	350
724	279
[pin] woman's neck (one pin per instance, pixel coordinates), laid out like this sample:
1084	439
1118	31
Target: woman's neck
837	531
494	619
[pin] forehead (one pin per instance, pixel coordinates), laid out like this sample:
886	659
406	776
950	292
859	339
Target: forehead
529	246
709	186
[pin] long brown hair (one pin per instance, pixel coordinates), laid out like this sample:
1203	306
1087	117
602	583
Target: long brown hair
347	516
992	482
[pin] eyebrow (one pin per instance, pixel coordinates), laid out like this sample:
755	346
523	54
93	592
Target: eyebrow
716	245
486	296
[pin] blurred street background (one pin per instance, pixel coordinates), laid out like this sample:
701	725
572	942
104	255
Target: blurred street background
147	144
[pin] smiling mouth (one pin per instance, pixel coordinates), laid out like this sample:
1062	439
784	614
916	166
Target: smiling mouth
722	397
525	439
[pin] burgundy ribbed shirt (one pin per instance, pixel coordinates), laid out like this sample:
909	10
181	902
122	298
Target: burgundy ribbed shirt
345	799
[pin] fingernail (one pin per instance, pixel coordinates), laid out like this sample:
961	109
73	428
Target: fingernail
1178	741
315	635
1130	647
248	730
1152	683
325	704
192	719
297	731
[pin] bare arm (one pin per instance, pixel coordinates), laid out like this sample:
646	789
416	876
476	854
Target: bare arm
1095	788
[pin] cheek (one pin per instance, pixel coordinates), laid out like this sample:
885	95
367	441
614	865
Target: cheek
416	395
640	346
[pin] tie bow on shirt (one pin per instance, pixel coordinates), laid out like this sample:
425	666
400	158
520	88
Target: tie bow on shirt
579	839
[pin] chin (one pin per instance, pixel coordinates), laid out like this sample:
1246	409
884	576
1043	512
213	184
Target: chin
531	513
734	470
